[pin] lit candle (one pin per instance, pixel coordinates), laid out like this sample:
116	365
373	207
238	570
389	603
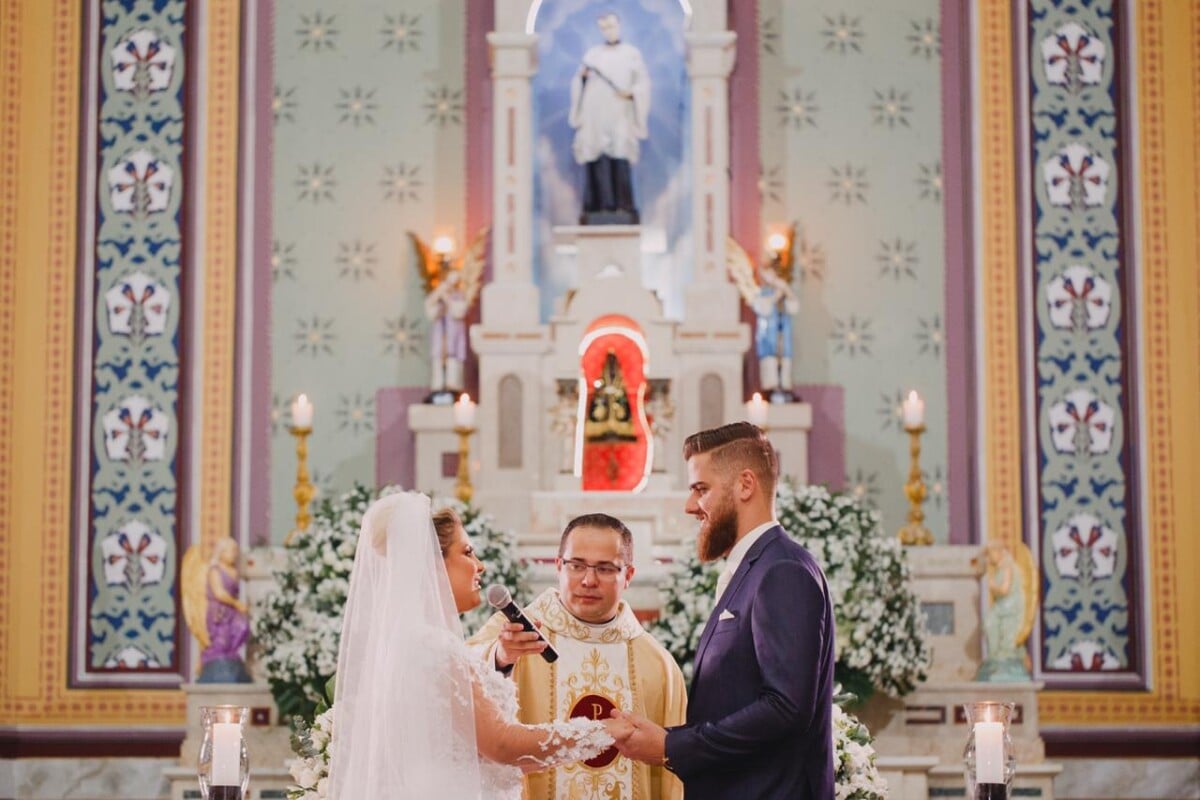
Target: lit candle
227	754
989	752
464	412
443	246
756	410
777	243
914	410
302	412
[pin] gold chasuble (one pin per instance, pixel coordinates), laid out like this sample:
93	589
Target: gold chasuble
599	667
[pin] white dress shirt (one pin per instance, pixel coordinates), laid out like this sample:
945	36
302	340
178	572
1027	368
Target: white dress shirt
734	559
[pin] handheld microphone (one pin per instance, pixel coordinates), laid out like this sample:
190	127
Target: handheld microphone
499	598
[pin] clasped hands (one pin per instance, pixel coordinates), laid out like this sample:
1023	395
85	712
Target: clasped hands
637	737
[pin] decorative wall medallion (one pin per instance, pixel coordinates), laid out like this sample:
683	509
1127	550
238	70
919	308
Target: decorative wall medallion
1081	423
142	63
1085	548
1073	57
1076	177
137	306
1078	299
140	184
136	431
134	556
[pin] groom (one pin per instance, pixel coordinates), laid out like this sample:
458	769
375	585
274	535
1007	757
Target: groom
759	719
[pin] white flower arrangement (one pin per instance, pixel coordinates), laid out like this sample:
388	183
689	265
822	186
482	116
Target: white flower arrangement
298	628
313	745
881	639
855	774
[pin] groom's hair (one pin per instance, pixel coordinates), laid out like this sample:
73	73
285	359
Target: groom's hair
735	447
604	522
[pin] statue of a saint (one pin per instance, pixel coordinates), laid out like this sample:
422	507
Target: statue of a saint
609	418
1008	621
450	289
774	303
446	308
610	106
214	613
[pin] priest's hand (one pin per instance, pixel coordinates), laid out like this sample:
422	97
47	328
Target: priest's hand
646	741
515	642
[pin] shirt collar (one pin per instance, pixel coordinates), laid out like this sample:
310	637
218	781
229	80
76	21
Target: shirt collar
734	560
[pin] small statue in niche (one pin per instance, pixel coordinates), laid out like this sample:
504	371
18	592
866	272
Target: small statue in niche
214	612
563	423
609	418
1009	577
451	287
661	412
610	107
774	304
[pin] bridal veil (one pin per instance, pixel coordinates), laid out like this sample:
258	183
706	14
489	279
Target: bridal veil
404	721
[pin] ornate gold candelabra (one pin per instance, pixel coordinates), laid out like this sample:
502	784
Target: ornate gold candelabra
462	488
304	490
915	532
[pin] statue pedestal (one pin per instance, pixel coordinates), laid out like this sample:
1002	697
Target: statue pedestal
928	724
267	741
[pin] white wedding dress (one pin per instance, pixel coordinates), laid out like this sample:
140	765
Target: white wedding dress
416	714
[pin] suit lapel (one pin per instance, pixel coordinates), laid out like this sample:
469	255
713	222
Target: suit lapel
731	591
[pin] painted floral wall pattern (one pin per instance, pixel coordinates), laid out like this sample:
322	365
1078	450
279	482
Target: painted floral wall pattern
851	140
1080	339
133	538
368	143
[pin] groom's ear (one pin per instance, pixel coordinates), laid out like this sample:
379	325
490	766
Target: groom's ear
747	484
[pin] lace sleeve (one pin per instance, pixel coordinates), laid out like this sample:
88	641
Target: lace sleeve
532	747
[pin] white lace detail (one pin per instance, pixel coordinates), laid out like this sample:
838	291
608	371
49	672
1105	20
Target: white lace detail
570	740
574	740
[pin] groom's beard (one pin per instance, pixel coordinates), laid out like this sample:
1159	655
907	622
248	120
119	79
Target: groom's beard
718	533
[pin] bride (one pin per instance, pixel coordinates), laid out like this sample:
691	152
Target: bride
416	714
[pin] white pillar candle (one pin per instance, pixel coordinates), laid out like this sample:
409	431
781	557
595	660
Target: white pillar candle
227	754
989	752
914	410
756	410
302	412
464	412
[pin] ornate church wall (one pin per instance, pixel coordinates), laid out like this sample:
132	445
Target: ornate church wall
347	314
370	104
86	89
850	120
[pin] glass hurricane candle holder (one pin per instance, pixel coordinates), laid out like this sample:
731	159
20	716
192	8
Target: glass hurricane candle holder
224	766
989	763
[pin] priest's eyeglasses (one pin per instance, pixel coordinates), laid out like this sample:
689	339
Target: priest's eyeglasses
607	570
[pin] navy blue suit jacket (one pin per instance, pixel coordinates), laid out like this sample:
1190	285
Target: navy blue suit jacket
760	716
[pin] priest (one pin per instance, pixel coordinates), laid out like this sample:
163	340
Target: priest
606	660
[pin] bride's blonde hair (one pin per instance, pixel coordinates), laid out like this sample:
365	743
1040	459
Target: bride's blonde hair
445	523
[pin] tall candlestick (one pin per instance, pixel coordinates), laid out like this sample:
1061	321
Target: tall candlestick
227	754
989	752
914	531
756	410
302	412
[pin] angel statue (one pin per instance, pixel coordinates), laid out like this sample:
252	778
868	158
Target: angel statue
214	613
1012	604
773	302
450	289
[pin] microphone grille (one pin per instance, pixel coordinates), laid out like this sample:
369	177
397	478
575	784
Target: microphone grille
498	596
